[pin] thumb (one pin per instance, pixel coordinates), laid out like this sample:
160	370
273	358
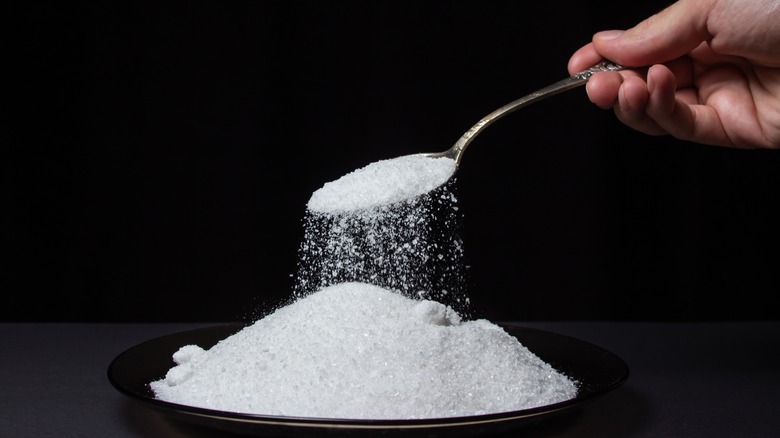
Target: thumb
667	35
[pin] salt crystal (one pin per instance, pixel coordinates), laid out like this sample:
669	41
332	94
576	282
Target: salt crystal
358	351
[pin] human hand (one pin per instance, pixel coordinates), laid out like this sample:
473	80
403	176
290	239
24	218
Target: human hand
714	75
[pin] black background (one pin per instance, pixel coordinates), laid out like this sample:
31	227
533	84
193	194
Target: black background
159	157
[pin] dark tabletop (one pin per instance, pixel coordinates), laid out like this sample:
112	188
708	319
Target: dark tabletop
686	379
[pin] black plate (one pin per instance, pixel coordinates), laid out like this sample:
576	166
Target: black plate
597	371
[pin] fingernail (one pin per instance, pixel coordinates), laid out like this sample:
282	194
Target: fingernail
608	34
622	103
650	83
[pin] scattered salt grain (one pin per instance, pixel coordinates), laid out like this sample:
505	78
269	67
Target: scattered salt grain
358	351
382	183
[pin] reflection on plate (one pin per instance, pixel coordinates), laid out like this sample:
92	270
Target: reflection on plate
598	371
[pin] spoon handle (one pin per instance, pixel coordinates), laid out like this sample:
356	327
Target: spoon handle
563	85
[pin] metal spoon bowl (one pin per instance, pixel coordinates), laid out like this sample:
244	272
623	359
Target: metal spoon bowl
456	151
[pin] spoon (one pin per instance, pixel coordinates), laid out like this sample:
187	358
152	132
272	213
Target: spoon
456	151
387	182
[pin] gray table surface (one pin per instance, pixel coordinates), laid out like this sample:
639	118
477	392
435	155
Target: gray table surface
686	380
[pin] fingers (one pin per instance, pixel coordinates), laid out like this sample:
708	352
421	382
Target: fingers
671	33
602	89
679	112
668	35
584	58
631	106
667	113
646	101
658	107
664	99
646	105
628	94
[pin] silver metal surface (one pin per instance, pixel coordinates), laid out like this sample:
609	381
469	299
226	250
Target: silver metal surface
456	151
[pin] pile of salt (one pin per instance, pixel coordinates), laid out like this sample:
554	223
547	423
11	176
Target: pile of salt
357	351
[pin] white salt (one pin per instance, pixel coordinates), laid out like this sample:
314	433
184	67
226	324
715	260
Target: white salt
368	335
359	351
383	183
